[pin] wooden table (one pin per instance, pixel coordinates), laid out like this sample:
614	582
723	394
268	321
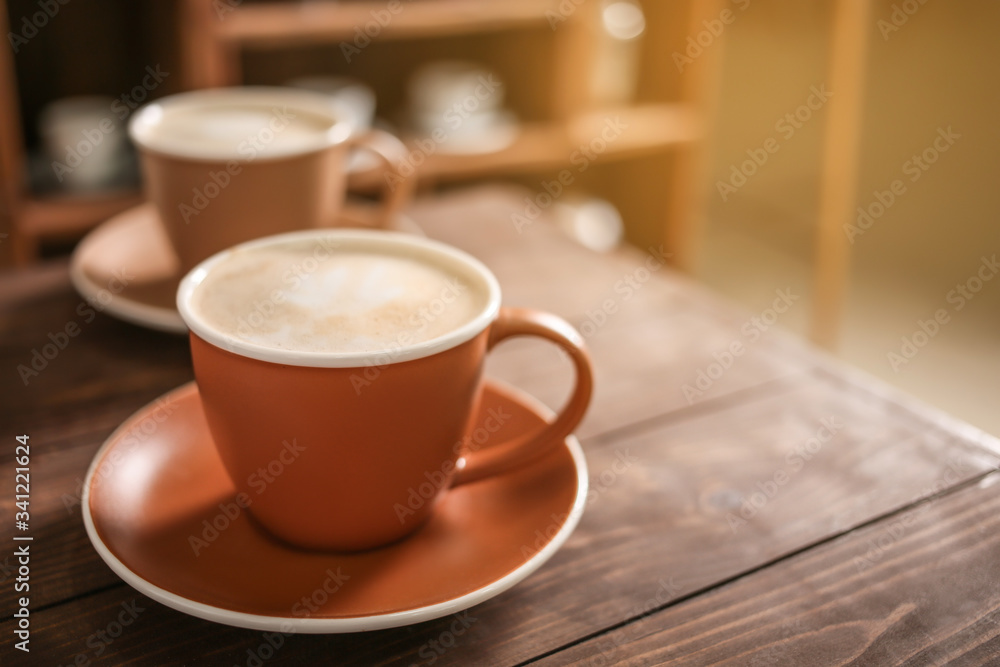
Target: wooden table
793	512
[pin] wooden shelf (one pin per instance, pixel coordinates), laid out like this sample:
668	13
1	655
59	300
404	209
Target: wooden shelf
277	25
69	215
648	129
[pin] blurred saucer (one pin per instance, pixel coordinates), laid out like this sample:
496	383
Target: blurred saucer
126	267
487	132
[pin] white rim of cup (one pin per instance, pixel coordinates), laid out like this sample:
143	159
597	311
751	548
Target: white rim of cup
143	122
438	253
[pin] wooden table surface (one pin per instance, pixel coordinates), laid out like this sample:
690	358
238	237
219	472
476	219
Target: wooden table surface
792	512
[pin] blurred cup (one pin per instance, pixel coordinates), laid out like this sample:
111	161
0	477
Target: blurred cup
593	223
461	104
229	165
352	94
437	87
356	98
300	371
82	138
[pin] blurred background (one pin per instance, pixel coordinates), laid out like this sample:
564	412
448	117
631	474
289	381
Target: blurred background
730	131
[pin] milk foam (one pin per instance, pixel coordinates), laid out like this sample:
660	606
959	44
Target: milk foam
241	131
292	298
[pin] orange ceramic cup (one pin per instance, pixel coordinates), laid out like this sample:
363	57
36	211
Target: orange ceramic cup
360	435
229	165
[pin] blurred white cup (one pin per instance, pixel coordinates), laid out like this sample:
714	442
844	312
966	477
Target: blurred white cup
84	141
592	222
354	96
440	85
462	102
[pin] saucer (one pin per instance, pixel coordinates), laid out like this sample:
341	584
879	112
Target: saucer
160	510
479	134
126	267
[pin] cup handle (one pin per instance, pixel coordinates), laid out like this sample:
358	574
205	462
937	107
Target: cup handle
396	192
527	322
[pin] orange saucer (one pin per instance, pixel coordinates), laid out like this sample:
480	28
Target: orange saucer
127	268
162	513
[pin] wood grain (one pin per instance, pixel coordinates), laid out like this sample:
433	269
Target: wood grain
643	354
651	332
63	363
685	494
921	587
657	525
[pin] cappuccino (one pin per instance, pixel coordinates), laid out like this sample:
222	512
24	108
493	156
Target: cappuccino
306	297
239	131
228	165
